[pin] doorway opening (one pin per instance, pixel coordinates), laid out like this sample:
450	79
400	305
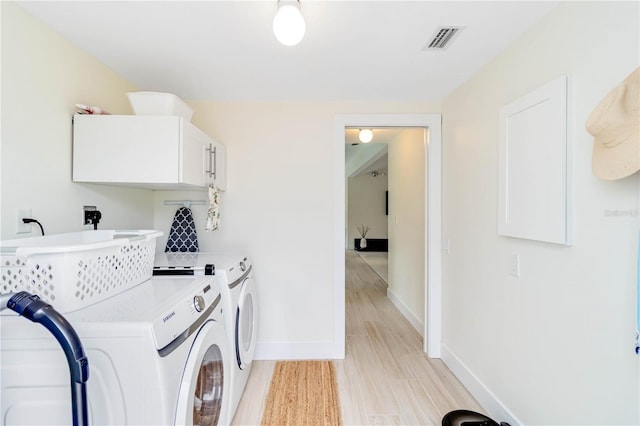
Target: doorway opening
430	123
385	212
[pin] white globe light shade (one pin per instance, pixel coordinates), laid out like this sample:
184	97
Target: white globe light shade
365	136
288	25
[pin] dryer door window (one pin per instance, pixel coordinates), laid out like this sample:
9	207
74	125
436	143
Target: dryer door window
246	320
203	397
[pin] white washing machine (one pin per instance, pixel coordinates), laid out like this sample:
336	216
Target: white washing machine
158	355
234	275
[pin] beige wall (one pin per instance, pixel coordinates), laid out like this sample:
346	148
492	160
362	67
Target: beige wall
554	346
43	76
366	206
407	224
279	209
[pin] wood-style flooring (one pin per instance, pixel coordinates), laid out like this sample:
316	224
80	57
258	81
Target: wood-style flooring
385	378
378	261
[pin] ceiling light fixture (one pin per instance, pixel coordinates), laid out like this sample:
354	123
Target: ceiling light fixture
288	24
365	136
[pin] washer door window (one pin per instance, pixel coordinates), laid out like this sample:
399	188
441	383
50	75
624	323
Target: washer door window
246	316
203	397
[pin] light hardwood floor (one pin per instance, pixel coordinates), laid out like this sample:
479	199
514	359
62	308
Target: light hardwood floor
378	261
385	378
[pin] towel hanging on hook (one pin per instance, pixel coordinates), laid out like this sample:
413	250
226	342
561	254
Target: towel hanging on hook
213	213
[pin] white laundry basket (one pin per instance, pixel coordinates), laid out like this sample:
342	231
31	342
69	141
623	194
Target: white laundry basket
77	269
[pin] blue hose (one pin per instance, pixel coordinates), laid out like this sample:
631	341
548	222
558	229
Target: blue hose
31	307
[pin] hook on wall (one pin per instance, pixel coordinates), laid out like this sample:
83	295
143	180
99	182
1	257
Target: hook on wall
184	203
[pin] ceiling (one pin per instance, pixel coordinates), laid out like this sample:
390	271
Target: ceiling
352	50
380	135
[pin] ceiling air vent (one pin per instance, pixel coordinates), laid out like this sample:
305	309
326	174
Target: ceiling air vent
442	38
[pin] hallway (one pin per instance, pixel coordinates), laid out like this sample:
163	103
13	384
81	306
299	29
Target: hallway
385	378
378	261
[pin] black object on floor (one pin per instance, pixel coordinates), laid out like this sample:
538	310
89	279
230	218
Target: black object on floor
373	244
468	418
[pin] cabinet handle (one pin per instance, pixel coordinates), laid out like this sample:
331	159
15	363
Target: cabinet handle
212	167
215	163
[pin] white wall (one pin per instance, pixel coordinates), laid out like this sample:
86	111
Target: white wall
407	224
43	76
366	206
279	210
554	346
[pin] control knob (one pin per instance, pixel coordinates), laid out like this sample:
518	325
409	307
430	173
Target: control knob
243	266
198	303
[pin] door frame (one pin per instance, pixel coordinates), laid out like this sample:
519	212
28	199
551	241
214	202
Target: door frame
433	227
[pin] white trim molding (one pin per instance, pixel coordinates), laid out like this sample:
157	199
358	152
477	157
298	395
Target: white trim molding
415	322
294	350
494	407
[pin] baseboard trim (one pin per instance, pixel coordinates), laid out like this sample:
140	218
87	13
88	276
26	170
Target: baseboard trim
495	408
315	350
404	310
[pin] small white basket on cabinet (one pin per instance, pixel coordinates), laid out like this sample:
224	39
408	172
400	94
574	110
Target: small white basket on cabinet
77	269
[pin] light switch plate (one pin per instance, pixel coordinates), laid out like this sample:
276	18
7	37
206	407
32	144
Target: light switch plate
514	267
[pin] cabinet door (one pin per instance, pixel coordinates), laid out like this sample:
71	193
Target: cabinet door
155	152
126	149
193	155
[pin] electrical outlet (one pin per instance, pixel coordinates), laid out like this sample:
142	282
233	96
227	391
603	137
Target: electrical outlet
21	227
514	266
92	216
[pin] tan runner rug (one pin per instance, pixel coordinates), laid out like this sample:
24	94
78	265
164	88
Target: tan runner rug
303	393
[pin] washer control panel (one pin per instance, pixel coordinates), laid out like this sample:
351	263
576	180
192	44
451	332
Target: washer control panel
186	311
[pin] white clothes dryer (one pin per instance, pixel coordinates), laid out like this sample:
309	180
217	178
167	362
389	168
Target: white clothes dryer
158	355
235	278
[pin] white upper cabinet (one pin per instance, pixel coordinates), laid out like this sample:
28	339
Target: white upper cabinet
153	152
